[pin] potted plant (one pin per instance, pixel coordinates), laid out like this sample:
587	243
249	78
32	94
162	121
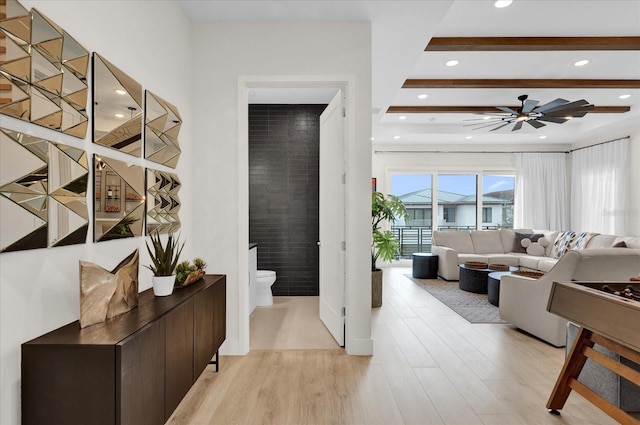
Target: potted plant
384	244
187	273
164	259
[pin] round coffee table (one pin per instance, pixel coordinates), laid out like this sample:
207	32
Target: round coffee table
475	280
493	287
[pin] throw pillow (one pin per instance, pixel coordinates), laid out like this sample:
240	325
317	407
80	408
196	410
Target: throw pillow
105	294
517	244
621	244
562	243
535	248
581	240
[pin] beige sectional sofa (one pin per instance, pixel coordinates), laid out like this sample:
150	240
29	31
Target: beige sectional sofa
455	247
523	300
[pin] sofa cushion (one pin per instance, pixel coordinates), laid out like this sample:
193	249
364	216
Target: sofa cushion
509	259
631	241
546	264
458	240
562	243
463	258
508	237
602	241
530	261
486	242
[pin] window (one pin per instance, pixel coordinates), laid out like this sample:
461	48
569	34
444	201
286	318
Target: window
457	201
498	195
449	214
486	214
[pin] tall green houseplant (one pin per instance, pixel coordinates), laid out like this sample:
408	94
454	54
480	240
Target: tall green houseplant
384	208
384	244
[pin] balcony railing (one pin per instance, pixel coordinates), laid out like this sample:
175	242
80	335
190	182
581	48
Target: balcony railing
419	238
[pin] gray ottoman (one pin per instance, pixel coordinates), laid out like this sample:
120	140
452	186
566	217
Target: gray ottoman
425	265
609	385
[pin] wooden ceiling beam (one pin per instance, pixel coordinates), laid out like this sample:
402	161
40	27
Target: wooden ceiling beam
483	109
519	83
530	44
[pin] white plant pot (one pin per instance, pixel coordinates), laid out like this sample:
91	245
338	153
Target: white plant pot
163	285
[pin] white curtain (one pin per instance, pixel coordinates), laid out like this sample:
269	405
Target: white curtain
541	196
598	187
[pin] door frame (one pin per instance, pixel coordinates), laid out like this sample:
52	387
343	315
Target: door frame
245	83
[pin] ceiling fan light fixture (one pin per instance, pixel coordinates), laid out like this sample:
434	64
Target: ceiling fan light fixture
452	62
502	3
581	62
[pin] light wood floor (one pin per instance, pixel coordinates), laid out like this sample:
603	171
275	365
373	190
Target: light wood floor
429	366
290	323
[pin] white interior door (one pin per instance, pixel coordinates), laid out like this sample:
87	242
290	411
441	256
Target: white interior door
332	217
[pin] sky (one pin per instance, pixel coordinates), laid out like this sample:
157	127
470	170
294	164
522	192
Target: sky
464	184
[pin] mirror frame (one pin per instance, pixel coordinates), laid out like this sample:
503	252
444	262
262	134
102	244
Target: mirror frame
163	201
117	108
51	189
46	73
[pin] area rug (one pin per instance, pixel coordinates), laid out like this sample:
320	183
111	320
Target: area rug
475	308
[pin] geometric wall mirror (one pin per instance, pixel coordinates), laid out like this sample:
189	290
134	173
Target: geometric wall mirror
163	202
43	73
117	108
43	193
118	199
162	125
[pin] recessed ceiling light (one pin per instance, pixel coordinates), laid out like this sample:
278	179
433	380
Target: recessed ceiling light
423	96
402	117
120	91
396	137
469	137
373	138
502	3
452	62
582	62
118	115
542	137
624	96
486	118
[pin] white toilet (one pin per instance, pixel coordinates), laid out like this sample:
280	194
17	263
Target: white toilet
265	279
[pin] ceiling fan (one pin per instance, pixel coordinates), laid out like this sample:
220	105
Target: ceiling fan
556	111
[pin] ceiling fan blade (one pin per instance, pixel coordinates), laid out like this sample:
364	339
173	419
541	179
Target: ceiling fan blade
550	105
536	123
567	106
500	126
557	120
529	104
507	110
518	126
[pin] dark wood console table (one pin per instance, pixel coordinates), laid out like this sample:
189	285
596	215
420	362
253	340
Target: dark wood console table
134	369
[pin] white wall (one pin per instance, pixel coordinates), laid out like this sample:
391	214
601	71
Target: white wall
39	289
229	53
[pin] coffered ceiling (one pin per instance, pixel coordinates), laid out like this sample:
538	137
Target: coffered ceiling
529	47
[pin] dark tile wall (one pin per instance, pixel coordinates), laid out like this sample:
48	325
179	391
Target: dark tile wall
284	154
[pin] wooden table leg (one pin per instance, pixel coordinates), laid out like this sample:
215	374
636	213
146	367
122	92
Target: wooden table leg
571	370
